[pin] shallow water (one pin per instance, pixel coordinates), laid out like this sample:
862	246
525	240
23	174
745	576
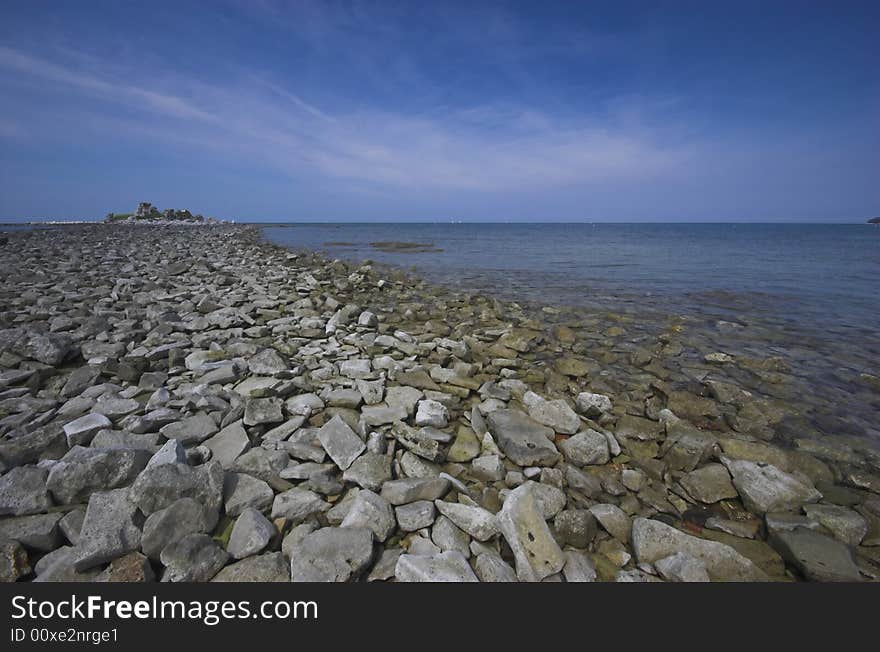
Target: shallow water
804	293
825	274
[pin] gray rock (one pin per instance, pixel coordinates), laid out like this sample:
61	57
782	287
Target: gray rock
593	405
344	398
115	407
409	490
369	471
297	504
356	368
372	391
241	491
415	516
79	380
304	404
431	413
584	448
765	488
340	442
263	410
535	550
261	463
378	415
373	512
575	527
682	567
251	533
71	524
446	535
403	399
166	526
23	491
83	471
488	468
479	523
614	520
368	319
525	441
845	524
59	566
555	414
228	444
550	499
785	521
490	567
83	429
709	484
111	529
29	448
193	558
383	569
449	566
297	533
818	557
192	430
159	486
172	452
578	567
38	532
653	540
331	554
268	567
51	349
268	362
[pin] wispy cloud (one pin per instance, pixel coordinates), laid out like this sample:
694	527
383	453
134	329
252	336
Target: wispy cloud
479	148
108	90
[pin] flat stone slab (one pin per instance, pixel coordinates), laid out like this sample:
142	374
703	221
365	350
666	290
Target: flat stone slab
191	430
111	529
525	441
585	448
250	534
818	557
653	540
331	554
765	488
535	551
228	444
23	491
341	443
449	566
409	490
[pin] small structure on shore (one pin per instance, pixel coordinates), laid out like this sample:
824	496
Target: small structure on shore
147	213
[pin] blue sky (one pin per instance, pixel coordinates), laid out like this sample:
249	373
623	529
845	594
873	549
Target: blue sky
542	111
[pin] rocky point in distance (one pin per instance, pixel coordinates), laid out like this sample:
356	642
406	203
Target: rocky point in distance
146	213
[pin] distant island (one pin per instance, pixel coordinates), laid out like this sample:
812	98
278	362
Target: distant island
874	220
146	213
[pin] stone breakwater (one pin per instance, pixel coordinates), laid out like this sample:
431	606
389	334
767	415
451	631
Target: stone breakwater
195	405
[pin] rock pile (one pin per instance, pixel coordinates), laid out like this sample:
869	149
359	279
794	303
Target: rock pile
146	213
195	406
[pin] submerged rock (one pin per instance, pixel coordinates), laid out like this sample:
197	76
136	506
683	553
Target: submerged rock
653	541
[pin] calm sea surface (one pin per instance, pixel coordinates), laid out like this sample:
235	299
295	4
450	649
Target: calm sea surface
822	276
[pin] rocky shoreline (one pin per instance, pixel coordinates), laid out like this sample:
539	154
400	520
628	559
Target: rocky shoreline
184	404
